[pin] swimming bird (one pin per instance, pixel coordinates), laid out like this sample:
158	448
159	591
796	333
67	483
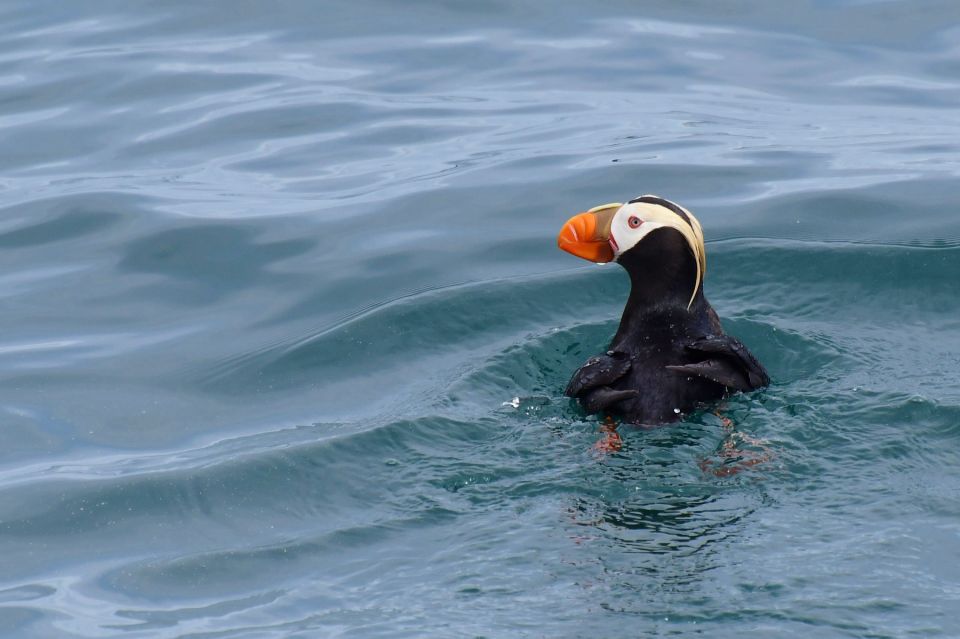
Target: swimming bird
670	354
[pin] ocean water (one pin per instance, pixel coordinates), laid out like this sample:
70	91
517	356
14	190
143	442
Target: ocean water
285	329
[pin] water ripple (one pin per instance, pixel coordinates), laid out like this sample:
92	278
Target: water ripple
286	331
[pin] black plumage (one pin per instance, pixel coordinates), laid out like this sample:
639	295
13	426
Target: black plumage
670	354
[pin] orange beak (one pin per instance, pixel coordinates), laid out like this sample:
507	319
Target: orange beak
587	235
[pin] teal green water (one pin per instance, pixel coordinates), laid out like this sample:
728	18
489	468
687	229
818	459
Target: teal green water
285	329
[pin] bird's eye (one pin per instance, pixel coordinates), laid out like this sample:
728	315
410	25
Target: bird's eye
634	222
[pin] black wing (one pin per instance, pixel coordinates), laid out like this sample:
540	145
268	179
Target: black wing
727	361
590	384
601	370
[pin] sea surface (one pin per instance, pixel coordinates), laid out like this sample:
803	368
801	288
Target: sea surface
285	330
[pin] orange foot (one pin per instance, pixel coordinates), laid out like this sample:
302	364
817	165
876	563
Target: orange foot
726	421
734	460
610	442
747	460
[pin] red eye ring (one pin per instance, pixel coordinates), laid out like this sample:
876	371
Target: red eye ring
634	222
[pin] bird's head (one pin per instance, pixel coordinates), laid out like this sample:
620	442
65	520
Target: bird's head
647	234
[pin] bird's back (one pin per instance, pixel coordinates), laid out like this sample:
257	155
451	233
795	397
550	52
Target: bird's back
666	395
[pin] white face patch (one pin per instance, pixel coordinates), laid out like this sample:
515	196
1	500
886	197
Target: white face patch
634	221
625	235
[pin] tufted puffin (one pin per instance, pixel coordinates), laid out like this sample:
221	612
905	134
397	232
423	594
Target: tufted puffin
670	353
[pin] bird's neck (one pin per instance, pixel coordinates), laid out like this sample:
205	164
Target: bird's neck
663	273
653	312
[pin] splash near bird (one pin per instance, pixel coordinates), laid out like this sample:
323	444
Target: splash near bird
670	353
